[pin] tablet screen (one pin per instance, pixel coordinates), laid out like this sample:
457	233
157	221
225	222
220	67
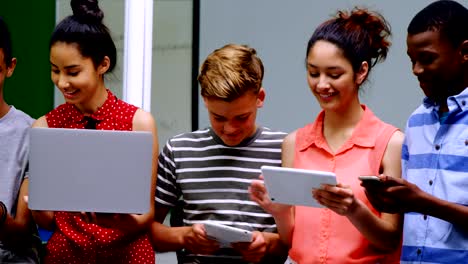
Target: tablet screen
294	186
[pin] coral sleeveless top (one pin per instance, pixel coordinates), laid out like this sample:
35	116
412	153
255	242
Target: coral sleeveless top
74	240
321	235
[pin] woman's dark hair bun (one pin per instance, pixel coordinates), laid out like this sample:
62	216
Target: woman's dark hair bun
87	11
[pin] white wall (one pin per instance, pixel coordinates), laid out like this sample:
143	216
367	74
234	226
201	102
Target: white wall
280	29
172	67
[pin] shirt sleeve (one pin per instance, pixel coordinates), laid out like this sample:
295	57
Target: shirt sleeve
404	158
26	171
167	189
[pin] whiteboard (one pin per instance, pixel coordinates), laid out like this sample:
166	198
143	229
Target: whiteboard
279	31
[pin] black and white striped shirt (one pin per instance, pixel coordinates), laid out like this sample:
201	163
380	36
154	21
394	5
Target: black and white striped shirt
212	179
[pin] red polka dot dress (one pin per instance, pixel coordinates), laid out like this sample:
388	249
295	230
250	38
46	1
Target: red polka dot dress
76	241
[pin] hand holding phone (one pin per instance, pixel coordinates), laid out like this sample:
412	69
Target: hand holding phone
370	179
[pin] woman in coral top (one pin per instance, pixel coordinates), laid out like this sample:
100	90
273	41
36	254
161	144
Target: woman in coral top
347	139
81	52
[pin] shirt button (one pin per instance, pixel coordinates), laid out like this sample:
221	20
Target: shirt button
418	251
463	103
437	147
425	217
430	182
466	142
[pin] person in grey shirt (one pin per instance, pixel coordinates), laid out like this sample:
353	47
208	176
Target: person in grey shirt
17	230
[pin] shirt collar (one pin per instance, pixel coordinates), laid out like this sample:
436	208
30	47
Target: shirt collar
245	143
363	135
459	101
101	114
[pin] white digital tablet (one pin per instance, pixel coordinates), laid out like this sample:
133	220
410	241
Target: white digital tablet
226	235
294	186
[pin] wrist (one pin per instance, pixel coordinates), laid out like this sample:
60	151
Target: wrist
269	238
282	211
355	208
186	233
424	204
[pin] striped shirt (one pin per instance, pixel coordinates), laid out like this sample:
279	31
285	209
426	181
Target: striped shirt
213	180
435	158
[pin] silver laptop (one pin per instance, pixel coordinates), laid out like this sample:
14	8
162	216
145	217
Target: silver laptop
80	170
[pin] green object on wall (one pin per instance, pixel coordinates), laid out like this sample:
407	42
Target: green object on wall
31	24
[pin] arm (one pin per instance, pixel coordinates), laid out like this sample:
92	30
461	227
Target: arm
165	238
400	196
388	225
44	219
285	218
144	121
15	229
283	214
341	200
403	196
445	210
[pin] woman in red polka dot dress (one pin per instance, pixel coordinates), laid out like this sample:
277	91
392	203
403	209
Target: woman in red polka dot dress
81	52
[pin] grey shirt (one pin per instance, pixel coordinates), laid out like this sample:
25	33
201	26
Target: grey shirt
13	155
14	147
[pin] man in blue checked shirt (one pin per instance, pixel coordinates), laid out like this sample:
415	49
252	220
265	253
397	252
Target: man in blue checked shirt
433	193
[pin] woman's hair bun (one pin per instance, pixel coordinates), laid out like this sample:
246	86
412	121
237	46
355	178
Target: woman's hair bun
87	11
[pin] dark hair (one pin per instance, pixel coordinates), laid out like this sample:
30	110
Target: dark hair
361	35
5	42
85	28
448	17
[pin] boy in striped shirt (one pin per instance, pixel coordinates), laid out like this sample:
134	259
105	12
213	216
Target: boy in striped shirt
209	171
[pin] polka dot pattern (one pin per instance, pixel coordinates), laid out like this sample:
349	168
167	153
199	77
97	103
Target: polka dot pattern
76	241
114	114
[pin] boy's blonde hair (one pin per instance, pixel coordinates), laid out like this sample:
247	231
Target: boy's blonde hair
231	71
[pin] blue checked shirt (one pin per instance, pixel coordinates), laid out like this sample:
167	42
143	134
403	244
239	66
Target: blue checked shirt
435	158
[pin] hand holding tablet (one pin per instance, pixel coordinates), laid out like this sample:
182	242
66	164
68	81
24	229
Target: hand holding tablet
294	186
